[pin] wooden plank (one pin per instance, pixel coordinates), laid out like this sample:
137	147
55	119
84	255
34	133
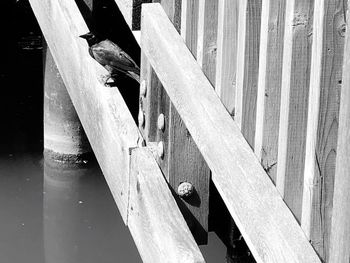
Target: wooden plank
225	84
155	222
182	160
207	36
105	117
294	102
173	9
269	84
340	234
131	10
189	24
322	127
266	223
247	67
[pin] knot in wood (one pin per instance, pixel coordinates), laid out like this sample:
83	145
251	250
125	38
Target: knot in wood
185	189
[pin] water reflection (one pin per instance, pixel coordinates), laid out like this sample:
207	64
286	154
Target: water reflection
81	222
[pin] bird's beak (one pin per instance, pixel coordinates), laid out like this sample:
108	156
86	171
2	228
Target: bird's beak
84	36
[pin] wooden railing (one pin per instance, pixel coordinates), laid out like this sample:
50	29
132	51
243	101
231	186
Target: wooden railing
250	91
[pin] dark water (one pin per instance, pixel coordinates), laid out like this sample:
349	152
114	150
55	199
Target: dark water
50	213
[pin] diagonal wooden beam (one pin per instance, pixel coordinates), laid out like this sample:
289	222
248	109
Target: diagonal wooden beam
112	133
158	228
266	223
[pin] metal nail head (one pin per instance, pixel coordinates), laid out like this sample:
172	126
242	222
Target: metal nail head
185	189
161	122
160	149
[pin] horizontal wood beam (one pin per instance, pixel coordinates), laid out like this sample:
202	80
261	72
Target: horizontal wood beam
266	223
112	132
158	228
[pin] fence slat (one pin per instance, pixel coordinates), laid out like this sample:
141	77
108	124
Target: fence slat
189	24
155	222
294	102
266	223
131	10
340	228
322	127
181	161
247	67
269	84
207	37
225	84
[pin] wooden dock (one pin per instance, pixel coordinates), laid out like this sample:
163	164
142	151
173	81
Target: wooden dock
245	96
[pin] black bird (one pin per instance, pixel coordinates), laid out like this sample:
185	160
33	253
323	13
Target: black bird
112	57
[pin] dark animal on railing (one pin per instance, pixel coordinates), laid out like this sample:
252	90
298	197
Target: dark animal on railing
112	57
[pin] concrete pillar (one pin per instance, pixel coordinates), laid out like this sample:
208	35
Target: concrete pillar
64	136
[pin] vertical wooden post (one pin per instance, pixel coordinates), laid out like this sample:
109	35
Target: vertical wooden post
294	102
64	136
340	228
189	24
207	37
247	67
181	160
322	125
225	84
269	84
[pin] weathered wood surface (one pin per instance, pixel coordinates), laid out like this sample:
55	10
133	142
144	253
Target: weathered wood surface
158	228
106	119
322	127
248	40
131	10
189	24
294	102
207	37
181	161
340	228
173	9
225	84
266	223
269	84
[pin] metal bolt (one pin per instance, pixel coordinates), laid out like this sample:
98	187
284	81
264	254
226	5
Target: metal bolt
143	88
141	118
185	189
161	122
160	149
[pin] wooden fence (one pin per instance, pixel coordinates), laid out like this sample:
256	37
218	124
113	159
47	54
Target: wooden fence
248	97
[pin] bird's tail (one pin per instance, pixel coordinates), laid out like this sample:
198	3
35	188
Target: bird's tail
133	75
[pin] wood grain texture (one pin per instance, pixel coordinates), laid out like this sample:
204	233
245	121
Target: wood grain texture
340	234
155	102
131	10
207	37
269	84
103	113
225	84
182	160
322	128
189	24
173	9
155	222
247	67
294	102
266	223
